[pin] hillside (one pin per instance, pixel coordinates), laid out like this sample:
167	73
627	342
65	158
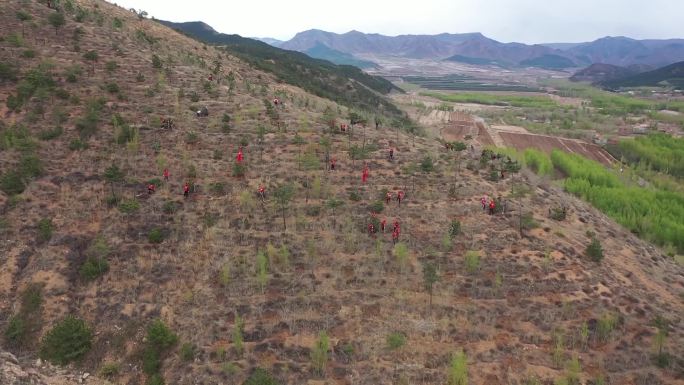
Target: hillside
344	84
600	72
224	287
549	62
320	51
671	76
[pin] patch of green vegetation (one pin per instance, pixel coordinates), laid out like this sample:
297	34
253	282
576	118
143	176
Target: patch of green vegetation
69	340
660	152
494	99
260	377
395	340
653	214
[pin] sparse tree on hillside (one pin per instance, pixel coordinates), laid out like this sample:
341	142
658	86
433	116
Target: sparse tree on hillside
283	195
430	277
332	204
113	174
92	57
458	370
56	20
319	353
23	17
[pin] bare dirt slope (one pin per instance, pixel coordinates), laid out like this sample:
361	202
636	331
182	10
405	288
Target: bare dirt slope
323	272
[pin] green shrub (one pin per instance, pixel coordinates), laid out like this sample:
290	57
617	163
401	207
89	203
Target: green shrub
558	213
217	188
45	229
56	19
129	206
91	56
376	207
8	72
110	369
427	164
191	137
458	370
605	326
69	340
528	221
30	166
239	169
155	379
155	235
151	360
395	340
187	352
594	251
313	211
160	336
117	23
169	207
111	66
77	145
454	228
112	88
93	268
237	337
28	54
157	62
12	183
72	73
472	261
15	332
319	353
51	134
260	377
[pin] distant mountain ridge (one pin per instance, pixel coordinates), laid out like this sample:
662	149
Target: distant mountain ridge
600	72
672	75
475	47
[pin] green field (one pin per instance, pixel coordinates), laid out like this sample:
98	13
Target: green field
495	100
464	83
655	212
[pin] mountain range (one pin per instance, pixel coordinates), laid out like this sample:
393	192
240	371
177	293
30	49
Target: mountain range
476	48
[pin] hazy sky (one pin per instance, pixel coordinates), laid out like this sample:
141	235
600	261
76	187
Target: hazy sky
527	21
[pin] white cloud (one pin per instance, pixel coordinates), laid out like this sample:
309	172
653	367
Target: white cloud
530	21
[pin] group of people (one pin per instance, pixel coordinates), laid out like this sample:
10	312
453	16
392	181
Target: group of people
400	197
488	204
396	227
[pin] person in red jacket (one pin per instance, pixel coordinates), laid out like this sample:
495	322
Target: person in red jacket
388	197
239	156
383	224
395	236
395	225
492	206
371	229
150	188
364	175
166	174
262	192
400	197
186	190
